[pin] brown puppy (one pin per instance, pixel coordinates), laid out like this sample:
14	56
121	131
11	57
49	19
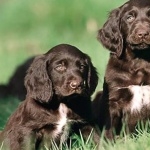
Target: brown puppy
59	86
126	34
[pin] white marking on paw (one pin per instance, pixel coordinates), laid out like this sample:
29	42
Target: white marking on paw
141	97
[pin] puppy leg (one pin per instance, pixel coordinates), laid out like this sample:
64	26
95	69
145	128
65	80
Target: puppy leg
89	130
118	102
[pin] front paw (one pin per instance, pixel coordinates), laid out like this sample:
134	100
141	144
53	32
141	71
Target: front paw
108	134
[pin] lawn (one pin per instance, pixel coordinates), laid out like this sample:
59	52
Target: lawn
29	28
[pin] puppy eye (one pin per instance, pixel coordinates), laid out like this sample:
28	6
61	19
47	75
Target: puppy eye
60	68
130	18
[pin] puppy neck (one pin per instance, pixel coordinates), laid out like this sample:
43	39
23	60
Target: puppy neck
142	54
130	54
51	104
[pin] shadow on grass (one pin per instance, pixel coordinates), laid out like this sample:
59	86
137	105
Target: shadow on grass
7	107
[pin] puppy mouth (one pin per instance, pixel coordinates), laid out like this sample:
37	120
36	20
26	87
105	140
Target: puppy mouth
71	92
140	46
138	43
64	92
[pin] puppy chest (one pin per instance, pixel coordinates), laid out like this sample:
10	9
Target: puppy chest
62	126
140	102
62	122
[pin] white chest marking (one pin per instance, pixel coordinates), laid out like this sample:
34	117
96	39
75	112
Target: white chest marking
62	123
141	97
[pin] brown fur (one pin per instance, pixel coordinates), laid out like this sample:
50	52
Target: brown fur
126	34
59	86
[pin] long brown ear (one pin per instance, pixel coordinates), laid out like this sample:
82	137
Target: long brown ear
37	81
92	76
110	35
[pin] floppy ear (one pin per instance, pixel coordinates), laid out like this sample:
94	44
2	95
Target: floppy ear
37	81
110	35
92	76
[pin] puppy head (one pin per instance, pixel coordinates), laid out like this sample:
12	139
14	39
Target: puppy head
62	71
127	26
71	71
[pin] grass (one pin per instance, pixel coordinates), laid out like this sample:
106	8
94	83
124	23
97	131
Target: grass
32	27
140	141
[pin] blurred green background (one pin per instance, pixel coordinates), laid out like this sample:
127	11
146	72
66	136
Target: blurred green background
30	27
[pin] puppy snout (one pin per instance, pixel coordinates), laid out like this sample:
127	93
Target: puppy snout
141	33
75	84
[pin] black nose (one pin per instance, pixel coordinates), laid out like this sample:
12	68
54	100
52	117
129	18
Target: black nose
74	84
142	33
